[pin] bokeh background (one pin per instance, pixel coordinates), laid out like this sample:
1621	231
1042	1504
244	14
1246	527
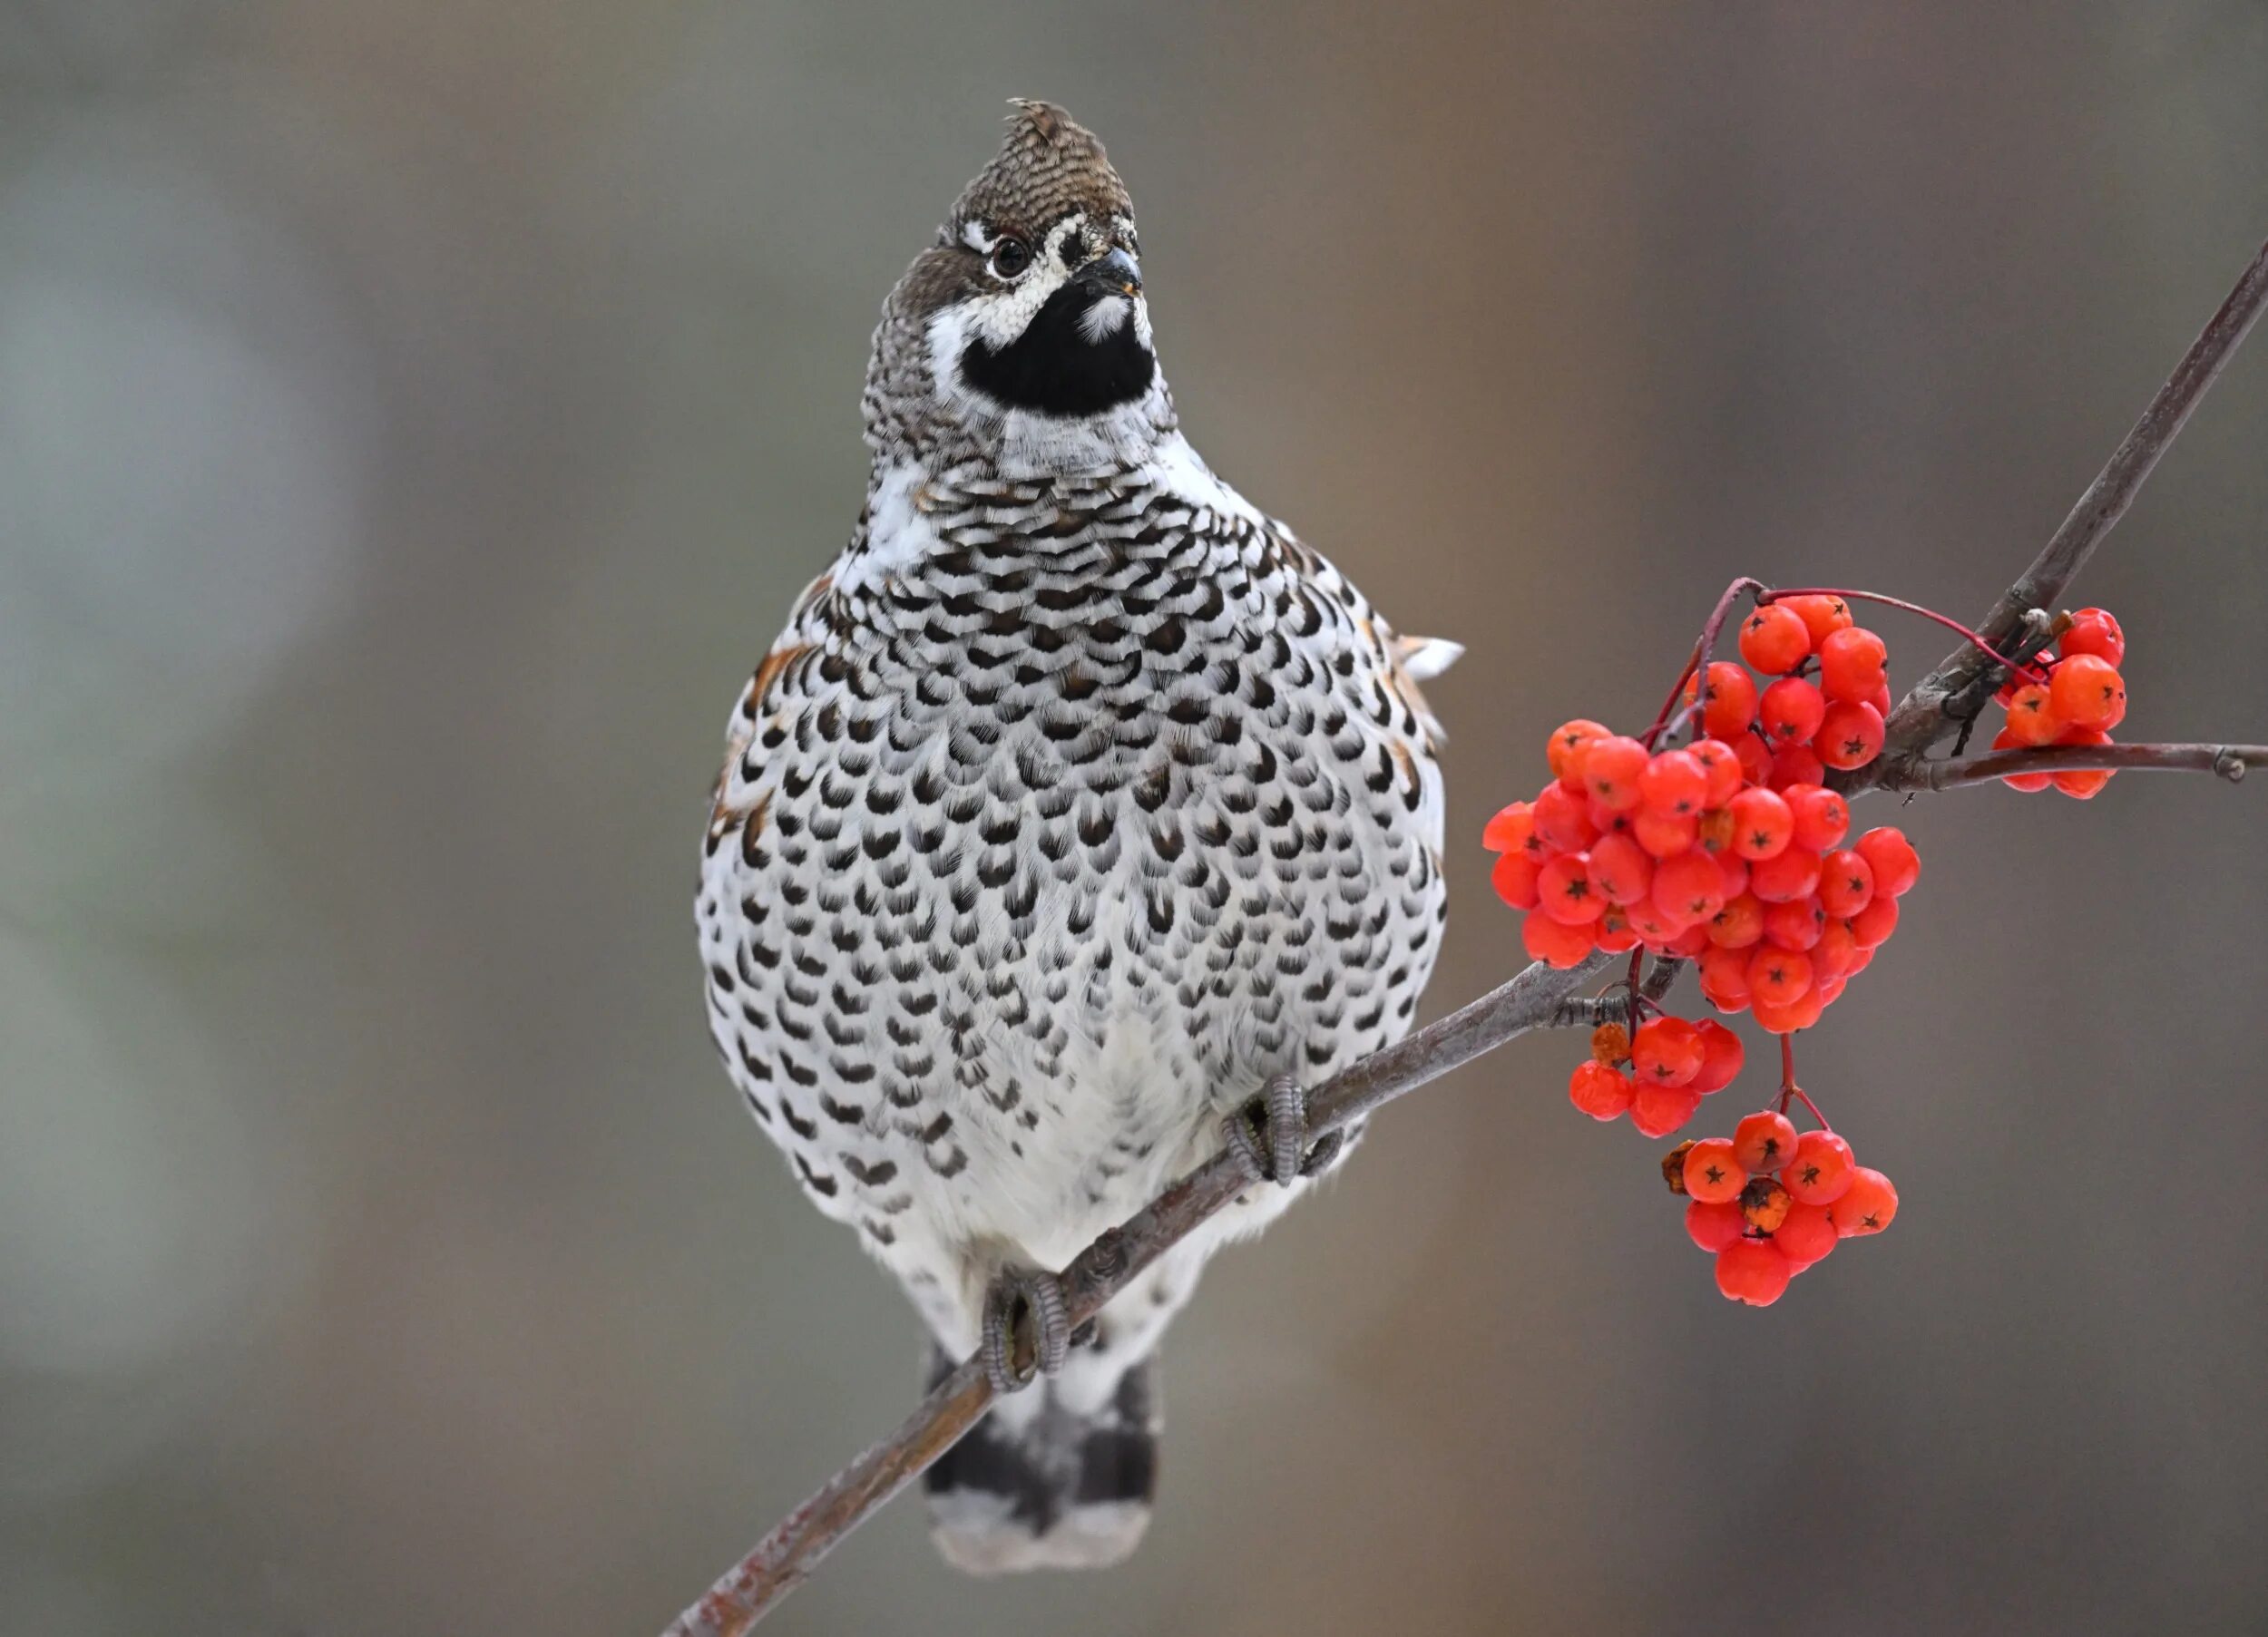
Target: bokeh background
415	418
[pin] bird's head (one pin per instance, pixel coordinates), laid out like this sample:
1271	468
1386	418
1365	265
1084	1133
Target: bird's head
1023	331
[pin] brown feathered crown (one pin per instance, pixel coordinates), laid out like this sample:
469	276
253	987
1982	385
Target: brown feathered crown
1049	166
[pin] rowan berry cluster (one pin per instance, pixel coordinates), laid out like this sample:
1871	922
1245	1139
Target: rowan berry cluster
1768	1203
1729	851
2078	700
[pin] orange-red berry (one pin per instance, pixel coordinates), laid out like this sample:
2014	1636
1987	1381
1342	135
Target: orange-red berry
1846	883
1791	711
1818	1171
1599	1090
1663	835
1897	866
1657	1110
1567	892
1721	765
1776	976
1753	1271
1774	639
1612	768
1621	870
1853	663
1850	736
1514	879
1689	887
1870	928
1674	781
2087	691
2083	783
1787	875
1738	924
1565	749
1666	1051
1797	924
2032	718
2094	632
1722	1056
1728	702
1711	1174
2008	739
1762	824
1554	942
1823	614
1822	818
1795	767
1563	820
1724	977
1714	1226
1764	1140
1807	1235
1867	1206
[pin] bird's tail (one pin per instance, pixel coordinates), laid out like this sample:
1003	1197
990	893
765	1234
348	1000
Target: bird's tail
1058	1476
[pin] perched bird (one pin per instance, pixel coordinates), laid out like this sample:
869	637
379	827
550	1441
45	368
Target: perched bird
1078	805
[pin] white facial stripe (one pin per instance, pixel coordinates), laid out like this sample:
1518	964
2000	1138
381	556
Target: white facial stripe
1106	318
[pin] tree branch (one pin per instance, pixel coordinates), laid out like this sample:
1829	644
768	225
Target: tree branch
1536	998
2229	761
1956	691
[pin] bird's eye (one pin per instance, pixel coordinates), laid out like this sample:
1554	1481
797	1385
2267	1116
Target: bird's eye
1011	257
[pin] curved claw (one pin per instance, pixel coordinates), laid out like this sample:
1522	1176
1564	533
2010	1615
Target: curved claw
1017	1294
1270	1134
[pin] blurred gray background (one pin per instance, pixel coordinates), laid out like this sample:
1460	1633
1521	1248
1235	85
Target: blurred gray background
415	418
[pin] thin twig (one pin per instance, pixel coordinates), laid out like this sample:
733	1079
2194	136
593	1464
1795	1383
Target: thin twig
1955	691
2229	761
787	1556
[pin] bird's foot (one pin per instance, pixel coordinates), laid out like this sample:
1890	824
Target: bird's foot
1027	1329
1271	1133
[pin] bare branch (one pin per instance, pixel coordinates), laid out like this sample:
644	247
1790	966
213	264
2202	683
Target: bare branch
1955	691
2229	761
1538	997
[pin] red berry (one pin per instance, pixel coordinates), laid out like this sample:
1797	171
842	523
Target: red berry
1666	1051
2089	692
1897	866
1514	879
1722	766
1784	877
2032	718
1836	954
1752	1270
1870	928
1690	942
1846	883
1852	664
1567	892
1764	1140
1722	1056
1795	925
1725	978
1663	835
1658	1110
1711	1176
1674	781
1553	942
1777	976
1617	936
1881	700
1509	831
1738	924
1849	736
1565	750
1805	1234
1621	869
1818	1171
1734	869
1822	614
2094	632
1762	824
2084	781
1713	1227
1796	767
1790	711
2007	739
1755	757
1728	702
1689	887
1602	1091
1867	1206
1612	768
1822	817
1774	639
1563	820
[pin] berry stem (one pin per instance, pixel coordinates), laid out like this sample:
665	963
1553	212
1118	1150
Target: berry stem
1699	660
2020	669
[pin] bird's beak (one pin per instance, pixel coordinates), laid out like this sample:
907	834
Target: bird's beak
1113	273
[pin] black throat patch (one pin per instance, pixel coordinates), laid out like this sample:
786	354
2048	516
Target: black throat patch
1053	370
